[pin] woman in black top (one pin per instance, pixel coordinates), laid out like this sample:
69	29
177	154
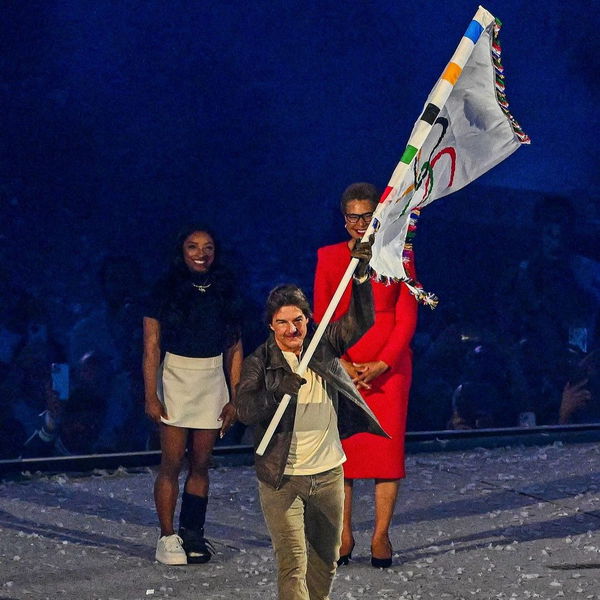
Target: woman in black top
192	362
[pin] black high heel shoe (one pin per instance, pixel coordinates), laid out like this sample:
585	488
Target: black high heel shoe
381	563
344	559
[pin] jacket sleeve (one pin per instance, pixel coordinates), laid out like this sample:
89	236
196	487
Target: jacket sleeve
360	317
254	402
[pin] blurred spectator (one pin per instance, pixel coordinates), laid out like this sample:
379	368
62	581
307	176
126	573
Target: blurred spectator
484	378
429	408
543	297
544	367
475	405
111	326
12	435
98	388
580	402
492	371
546	312
13	335
84	423
26	385
444	364
15	313
518	354
112	334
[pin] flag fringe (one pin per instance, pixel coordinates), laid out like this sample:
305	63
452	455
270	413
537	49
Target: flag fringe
408	257
501	84
414	286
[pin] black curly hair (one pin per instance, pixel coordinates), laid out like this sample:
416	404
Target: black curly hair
178	295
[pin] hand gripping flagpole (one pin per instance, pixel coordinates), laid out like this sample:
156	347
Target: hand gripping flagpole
437	99
316	338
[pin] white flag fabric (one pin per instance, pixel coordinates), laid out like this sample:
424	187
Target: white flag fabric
465	130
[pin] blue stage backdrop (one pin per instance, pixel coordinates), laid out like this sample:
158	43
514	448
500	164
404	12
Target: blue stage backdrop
122	120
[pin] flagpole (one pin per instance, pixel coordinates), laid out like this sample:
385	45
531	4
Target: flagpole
436	101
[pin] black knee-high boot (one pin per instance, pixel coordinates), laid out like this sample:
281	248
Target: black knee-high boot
191	527
193	511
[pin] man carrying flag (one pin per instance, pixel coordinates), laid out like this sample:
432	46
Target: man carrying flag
300	476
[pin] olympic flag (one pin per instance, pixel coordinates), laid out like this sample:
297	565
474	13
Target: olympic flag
465	129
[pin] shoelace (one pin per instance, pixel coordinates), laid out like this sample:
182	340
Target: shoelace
173	543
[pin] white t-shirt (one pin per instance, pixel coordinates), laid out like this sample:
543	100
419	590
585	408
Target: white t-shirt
316	445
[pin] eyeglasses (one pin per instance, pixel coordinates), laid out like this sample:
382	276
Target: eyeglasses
354	218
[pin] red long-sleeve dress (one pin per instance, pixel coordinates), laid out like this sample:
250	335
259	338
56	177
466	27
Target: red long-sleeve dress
371	456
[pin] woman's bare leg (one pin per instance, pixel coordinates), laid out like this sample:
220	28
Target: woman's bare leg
386	492
347	536
166	487
201	446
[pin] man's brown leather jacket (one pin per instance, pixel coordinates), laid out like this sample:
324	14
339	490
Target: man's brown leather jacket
262	371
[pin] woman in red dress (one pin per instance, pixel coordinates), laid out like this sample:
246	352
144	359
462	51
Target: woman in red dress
380	364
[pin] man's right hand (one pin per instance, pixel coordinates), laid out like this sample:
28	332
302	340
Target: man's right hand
290	384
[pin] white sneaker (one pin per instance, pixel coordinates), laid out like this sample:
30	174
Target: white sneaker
169	550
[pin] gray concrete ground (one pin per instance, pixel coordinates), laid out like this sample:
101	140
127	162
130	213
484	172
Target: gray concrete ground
508	523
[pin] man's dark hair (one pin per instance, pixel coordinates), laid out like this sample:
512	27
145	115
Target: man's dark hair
359	191
287	294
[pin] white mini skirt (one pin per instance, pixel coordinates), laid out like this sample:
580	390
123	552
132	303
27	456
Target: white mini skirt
193	391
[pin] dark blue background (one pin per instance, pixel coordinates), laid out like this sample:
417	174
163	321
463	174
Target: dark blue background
122	120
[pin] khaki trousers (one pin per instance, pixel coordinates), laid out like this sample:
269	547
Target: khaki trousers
304	519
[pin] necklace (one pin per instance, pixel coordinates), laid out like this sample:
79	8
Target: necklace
201	288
